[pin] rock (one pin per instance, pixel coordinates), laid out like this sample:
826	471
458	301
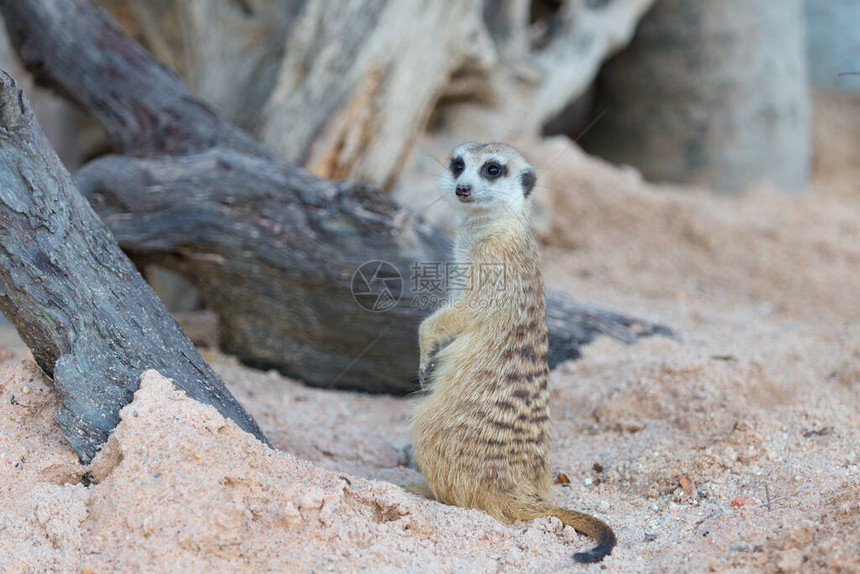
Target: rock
710	93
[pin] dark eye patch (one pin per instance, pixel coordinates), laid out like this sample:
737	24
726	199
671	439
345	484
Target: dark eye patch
493	170
457	166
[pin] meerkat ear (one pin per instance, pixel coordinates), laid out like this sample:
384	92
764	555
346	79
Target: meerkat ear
528	179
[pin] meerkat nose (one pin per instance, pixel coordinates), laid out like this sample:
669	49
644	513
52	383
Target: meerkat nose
463	190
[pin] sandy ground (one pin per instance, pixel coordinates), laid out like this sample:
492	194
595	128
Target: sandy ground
753	408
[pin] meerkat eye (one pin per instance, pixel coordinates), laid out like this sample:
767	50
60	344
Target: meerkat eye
457	166
492	170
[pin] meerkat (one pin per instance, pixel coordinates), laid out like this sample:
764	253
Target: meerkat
482	436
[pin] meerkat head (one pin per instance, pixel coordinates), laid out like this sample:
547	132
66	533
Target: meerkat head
491	178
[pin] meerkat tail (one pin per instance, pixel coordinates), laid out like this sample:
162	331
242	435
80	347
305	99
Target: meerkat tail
591	527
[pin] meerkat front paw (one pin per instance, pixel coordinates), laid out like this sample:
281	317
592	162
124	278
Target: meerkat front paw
424	373
425	365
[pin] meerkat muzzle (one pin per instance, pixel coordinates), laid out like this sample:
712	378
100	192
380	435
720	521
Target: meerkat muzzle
463	191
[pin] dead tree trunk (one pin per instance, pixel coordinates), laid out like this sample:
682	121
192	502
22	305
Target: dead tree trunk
272	248
77	301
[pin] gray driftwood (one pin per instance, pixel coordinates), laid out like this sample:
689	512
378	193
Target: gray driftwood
366	76
89	318
272	248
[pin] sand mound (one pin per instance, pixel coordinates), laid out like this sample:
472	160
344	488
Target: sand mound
178	484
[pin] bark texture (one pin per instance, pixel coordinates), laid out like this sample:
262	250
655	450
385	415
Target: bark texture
89	318
272	248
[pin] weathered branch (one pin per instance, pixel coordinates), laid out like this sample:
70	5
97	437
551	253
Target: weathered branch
272	249
89	318
573	325
76	49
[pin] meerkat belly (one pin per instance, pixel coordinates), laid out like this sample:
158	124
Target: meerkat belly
482	437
